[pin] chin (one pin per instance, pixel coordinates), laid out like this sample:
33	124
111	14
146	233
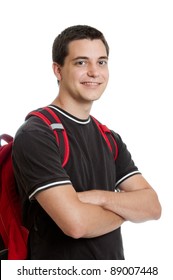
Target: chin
94	96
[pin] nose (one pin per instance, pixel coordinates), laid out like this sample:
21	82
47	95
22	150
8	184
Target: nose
92	70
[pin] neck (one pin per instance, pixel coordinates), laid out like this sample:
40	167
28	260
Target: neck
73	107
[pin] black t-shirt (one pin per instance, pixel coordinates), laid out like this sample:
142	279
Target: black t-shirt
38	166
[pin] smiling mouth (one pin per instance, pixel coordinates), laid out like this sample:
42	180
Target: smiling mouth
91	83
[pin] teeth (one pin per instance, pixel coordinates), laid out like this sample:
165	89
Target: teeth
90	83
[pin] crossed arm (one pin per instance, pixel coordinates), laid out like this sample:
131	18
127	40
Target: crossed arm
95	213
76	218
136	202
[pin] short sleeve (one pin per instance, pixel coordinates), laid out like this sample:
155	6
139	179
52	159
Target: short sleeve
125	166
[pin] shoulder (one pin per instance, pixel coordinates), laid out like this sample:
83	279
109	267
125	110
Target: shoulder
31	126
32	135
117	138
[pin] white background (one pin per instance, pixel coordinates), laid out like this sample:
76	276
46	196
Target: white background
137	103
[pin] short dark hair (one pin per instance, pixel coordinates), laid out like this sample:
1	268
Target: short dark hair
72	33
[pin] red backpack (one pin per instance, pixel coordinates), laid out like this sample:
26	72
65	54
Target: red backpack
13	235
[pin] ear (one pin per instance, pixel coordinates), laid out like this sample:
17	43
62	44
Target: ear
57	70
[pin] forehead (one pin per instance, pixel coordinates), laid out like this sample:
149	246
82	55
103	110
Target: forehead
86	47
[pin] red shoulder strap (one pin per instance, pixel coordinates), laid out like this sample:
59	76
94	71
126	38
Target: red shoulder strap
105	131
54	127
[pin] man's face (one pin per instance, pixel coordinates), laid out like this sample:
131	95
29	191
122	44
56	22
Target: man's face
85	74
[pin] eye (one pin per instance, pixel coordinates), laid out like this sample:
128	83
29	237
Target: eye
103	62
81	62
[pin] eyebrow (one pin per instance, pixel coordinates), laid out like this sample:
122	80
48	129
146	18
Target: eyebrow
86	58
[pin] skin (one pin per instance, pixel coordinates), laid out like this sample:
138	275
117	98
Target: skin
82	80
137	201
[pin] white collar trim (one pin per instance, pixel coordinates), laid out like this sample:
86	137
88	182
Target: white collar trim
70	117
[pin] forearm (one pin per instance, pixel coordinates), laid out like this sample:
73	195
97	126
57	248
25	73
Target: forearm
135	206
76	218
97	221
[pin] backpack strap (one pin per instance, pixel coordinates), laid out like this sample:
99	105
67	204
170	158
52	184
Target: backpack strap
5	149
5	137
53	121
108	136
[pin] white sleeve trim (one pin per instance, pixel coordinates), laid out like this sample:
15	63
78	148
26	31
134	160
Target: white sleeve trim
127	176
48	186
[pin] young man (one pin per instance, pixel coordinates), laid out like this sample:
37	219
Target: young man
74	211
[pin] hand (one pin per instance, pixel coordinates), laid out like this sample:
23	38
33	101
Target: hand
92	197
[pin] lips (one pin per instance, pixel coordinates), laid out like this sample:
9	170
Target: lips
91	83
